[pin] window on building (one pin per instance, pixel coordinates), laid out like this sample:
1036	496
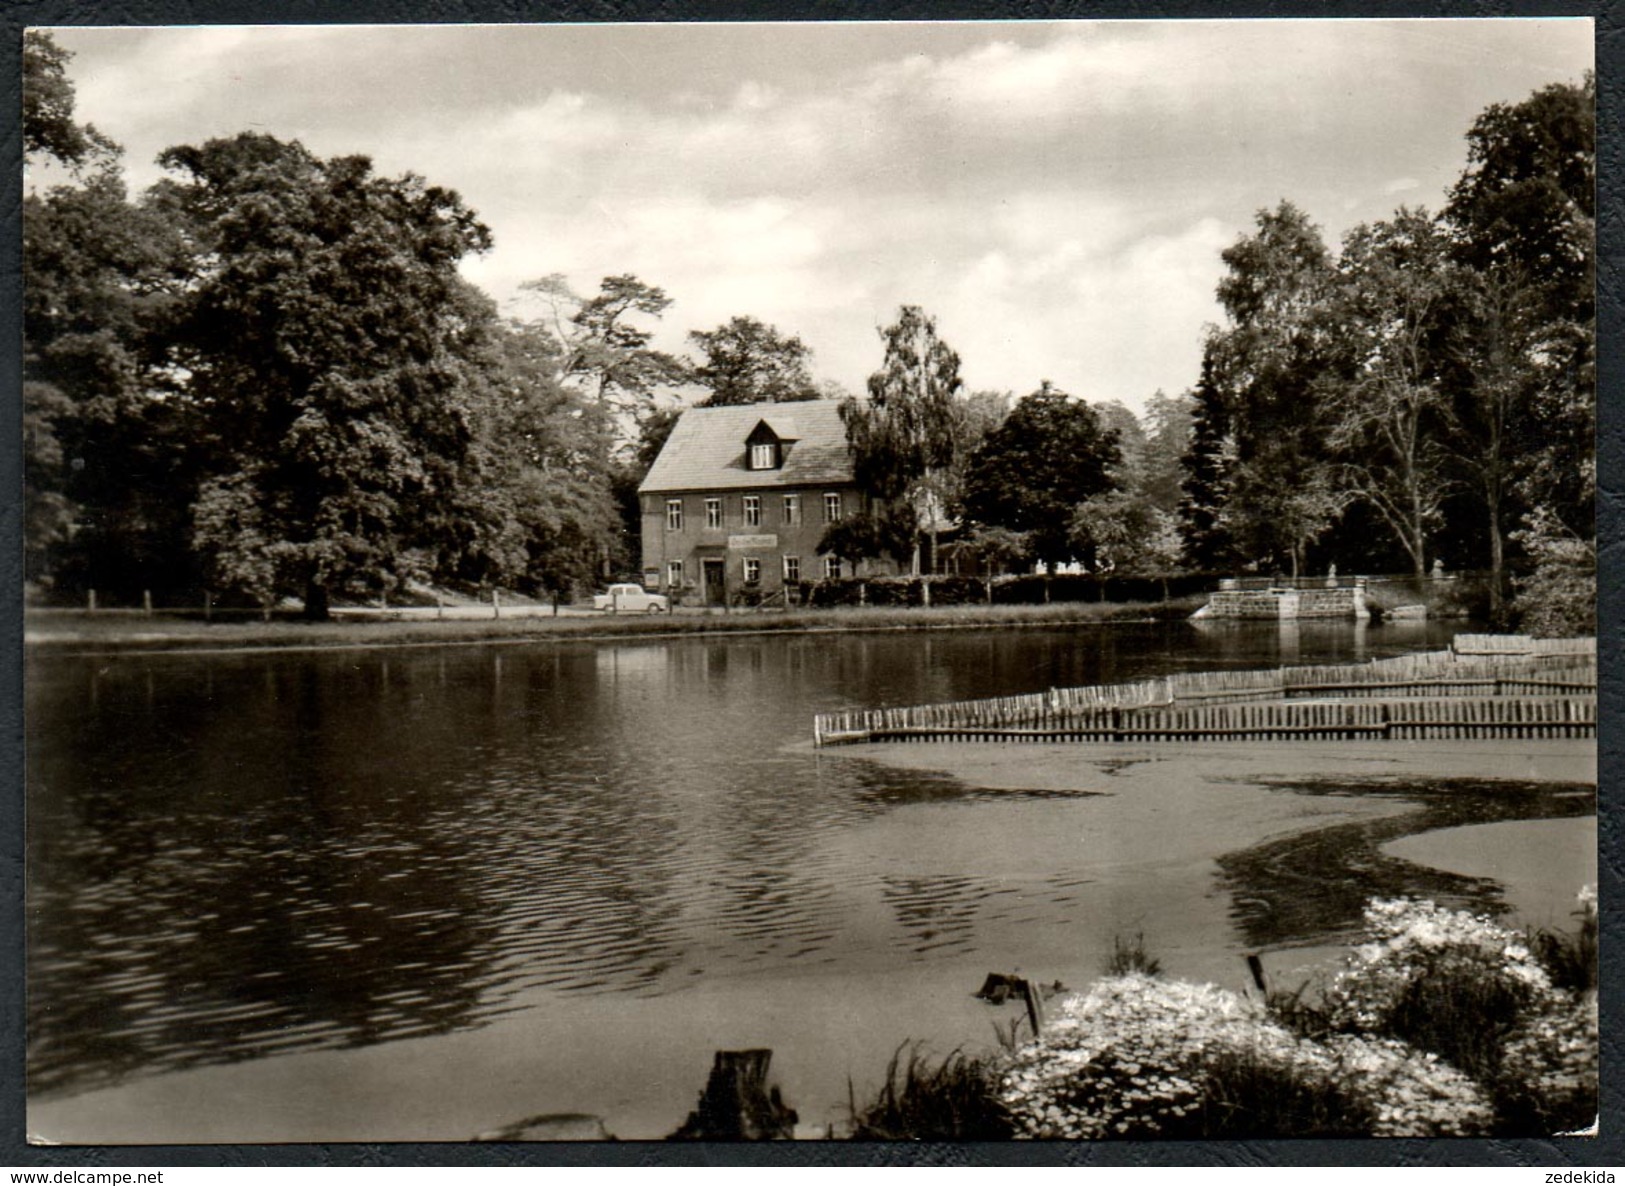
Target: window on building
763	456
832	507
792	509
674	514
753	570
832	568
792	569
674	574
753	510
713	512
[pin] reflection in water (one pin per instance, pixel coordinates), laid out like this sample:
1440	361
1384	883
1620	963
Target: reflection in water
235	855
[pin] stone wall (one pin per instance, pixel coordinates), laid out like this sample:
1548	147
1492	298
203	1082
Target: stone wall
1274	604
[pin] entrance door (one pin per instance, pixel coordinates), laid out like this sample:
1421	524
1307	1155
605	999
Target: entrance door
715	585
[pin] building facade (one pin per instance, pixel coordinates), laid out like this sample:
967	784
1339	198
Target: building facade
735	504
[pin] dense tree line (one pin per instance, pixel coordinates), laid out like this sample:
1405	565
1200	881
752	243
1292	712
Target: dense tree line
1425	394
264	377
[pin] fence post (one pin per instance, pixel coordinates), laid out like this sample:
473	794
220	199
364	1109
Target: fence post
1035	1005
496	604
208	605
90	602
146	602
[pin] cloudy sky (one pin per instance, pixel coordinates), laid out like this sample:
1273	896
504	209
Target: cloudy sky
1056	194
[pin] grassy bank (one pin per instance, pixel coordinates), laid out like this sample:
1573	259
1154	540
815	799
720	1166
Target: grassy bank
78	631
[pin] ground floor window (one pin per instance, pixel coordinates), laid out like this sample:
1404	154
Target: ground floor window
792	569
674	574
753	570
832	568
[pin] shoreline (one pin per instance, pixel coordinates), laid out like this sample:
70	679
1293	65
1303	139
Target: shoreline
129	632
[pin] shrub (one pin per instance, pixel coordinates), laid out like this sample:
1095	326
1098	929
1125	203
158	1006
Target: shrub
1446	982
1558	598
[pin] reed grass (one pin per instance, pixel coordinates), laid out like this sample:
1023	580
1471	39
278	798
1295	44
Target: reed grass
1130	955
952	1100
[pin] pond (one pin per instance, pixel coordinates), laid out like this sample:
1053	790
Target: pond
417	893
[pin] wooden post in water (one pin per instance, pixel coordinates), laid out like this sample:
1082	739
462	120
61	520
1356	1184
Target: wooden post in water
90	601
496	604
1256	967
208	605
1035	1005
146	602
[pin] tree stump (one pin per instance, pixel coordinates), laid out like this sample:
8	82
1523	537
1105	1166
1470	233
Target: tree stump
737	1104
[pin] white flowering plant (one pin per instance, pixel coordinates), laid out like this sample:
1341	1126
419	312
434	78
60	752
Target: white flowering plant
1446	981
1137	1057
1442	1023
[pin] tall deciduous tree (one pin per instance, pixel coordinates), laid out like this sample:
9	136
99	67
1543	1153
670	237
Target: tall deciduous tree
1280	496
48	124
1386	402
105	475
533	507
1524	215
906	438
749	362
1168	424
326	343
1050	454
1130	473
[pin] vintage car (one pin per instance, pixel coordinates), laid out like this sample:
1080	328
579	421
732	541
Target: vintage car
630	599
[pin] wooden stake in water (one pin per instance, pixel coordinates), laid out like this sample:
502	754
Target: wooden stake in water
1035	1005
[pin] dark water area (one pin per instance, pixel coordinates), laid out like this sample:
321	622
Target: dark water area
1312	887
233	856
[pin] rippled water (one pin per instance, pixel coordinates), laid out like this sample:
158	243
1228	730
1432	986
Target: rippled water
232	856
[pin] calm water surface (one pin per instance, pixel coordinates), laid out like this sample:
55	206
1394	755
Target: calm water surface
236	855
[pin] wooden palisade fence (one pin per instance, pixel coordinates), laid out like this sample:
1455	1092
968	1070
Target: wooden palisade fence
1480	690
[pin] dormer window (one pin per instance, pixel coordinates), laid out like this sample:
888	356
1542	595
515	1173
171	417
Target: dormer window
768	442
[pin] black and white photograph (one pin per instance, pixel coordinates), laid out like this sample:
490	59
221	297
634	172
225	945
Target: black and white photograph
869	581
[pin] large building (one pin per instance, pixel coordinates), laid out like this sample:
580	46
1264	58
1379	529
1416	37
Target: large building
737	501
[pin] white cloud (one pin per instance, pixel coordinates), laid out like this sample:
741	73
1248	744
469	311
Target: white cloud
1056	194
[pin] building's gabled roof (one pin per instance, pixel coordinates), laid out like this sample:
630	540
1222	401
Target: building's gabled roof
706	451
